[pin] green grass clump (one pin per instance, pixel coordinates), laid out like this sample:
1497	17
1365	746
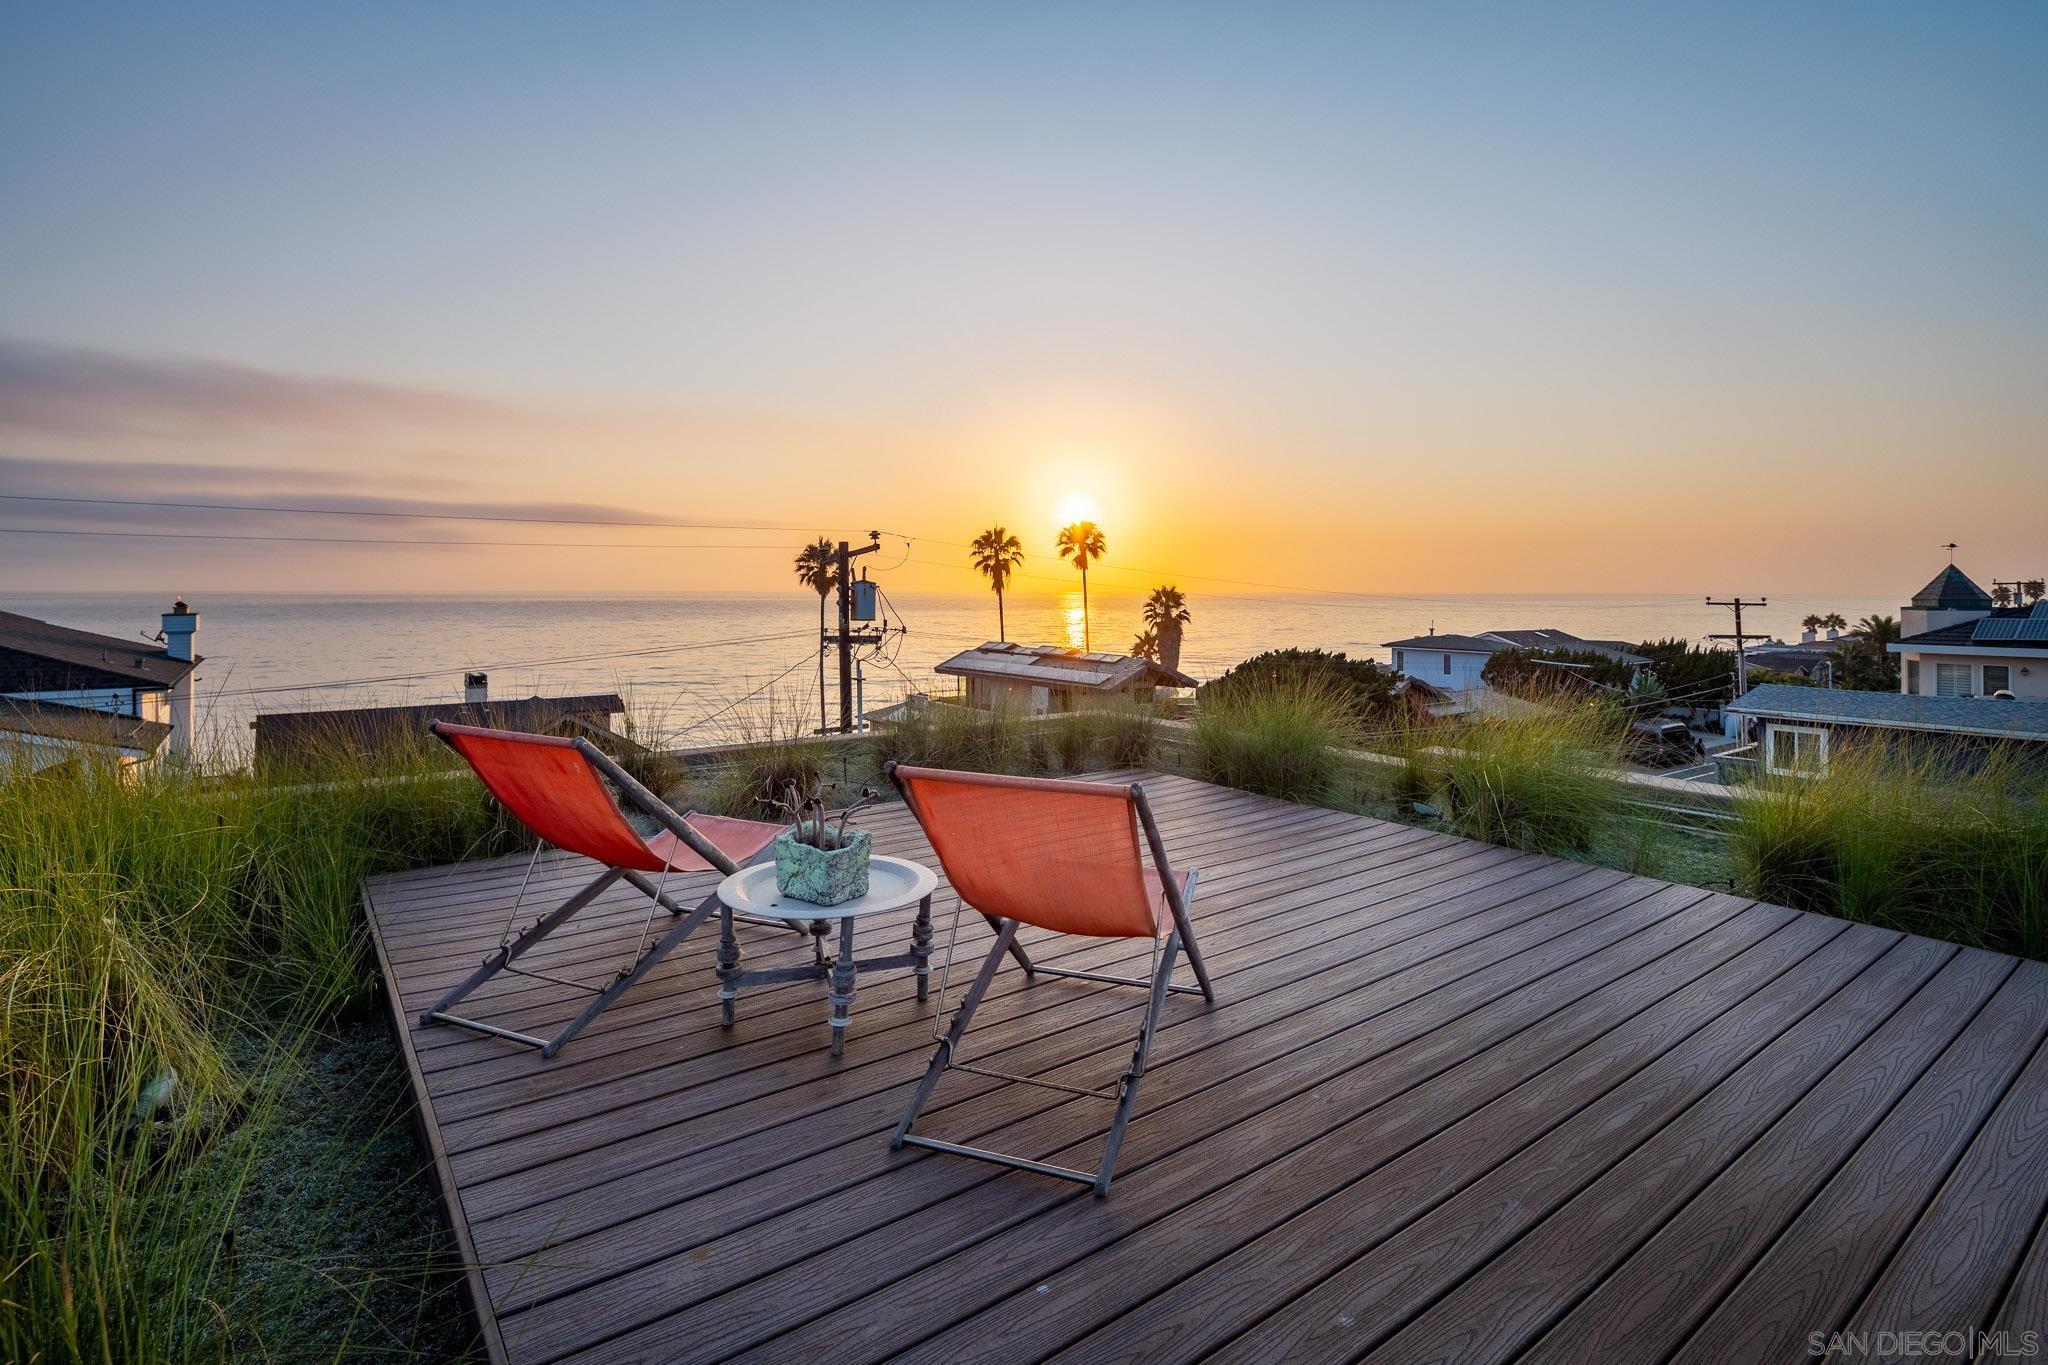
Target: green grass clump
1533	779
968	738
1942	839
1277	736
151	926
1123	736
748	786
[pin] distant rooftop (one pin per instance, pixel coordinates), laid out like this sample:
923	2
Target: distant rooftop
39	656
1493	641
1999	628
1951	590
81	725
1056	667
2027	720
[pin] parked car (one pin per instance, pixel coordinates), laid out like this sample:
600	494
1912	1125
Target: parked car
1663	743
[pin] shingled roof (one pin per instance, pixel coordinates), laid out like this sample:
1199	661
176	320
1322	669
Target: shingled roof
2026	720
1051	666
38	656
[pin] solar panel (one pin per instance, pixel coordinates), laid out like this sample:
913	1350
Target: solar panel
2031	628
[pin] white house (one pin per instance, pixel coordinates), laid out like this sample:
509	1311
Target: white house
1800	728
1957	644
1454	663
65	692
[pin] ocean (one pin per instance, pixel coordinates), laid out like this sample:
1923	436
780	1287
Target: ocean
705	668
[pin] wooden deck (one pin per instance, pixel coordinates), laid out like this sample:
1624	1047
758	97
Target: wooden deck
1453	1102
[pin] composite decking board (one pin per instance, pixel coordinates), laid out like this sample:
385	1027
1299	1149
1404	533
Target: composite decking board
1278	1034
1257	1231
555	1134
532	1001
1390	1000
874	1113
965	1251
1957	1261
1462	1064
1817	1270
658	1021
1686	1266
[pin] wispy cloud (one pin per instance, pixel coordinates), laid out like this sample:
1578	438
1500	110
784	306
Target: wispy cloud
61	390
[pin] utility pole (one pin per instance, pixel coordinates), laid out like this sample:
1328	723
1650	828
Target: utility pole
847	637
1741	659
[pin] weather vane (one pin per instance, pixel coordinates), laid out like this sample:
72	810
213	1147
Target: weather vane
1951	548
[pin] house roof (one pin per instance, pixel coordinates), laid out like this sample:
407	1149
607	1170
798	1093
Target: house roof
1951	590
39	656
81	725
1493	641
2027	720
1052	666
2020	628
370	725
1456	644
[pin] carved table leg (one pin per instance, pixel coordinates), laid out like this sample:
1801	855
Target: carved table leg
728	965
842	986
921	946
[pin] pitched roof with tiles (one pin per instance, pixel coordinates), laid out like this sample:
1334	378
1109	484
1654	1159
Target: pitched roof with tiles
1052	666
2021	628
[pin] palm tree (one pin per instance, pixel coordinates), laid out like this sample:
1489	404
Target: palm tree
1812	622
2035	589
2001	594
1834	620
1146	646
1166	611
817	568
1083	543
1879	631
997	554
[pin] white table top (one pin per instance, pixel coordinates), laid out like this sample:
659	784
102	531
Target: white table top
892	884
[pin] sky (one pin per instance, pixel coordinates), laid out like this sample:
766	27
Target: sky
1378	298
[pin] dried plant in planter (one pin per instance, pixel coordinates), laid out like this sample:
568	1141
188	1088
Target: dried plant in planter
816	860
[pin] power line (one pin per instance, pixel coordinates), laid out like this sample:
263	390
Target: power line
390	540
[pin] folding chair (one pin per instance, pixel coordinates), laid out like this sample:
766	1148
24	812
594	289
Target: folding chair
552	786
1062	856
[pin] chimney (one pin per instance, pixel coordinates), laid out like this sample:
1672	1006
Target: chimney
181	623
1834	635
1807	637
476	688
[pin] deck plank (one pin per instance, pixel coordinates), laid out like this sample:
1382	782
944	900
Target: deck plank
1452	1101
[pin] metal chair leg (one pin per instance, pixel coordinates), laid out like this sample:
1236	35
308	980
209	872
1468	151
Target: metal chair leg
503	958
681	930
1128	1100
1006	934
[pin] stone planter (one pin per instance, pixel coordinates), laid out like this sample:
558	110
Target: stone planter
822	876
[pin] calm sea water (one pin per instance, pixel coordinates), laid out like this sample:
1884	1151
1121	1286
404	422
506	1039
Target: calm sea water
724	667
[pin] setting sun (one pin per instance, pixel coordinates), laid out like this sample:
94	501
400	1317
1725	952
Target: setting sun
1078	505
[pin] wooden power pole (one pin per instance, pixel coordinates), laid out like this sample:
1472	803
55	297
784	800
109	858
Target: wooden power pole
1741	659
847	637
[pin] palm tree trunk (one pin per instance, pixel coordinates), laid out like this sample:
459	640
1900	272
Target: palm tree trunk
1087	639
1169	646
1002	630
821	663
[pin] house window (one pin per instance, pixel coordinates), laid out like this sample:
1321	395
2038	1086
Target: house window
1400	661
1913	676
1997	678
1797	751
1951	680
1447	665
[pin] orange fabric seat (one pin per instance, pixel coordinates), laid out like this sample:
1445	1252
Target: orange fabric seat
1060	855
551	787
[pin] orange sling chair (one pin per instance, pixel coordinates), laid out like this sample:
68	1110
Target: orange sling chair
551	785
1063	856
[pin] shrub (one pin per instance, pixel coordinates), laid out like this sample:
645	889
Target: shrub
1276	735
1943	839
1126	736
1361	686
1534	779
746	787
